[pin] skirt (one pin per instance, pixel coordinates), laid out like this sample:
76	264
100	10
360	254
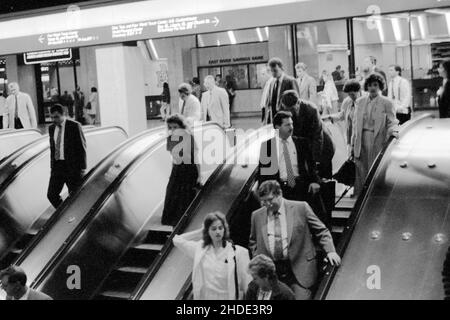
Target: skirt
180	192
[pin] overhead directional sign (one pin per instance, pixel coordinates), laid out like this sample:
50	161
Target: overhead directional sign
47	56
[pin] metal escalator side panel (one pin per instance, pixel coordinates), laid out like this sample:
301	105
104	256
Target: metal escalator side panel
24	200
15	139
35	257
117	219
224	192
399	242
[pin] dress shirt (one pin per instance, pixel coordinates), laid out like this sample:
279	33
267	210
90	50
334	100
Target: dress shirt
368	121
216	273
271	231
55	137
400	92
282	162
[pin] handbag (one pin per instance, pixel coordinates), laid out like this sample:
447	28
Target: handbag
346	173
89	106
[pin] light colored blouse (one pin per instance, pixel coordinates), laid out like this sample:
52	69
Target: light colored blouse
215	274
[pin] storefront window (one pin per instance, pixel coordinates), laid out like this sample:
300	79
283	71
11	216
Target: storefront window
238	74
258	75
233	37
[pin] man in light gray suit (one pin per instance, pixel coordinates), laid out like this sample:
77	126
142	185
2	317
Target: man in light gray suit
215	103
20	112
282	230
13	282
307	84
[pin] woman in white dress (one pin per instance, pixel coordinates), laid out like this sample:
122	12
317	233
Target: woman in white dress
220	270
329	96
91	107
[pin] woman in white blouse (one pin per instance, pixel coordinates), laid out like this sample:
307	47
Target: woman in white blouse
220	270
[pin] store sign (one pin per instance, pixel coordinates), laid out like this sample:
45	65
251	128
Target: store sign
234	54
47	56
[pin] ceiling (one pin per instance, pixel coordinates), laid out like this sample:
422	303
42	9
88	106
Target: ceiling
12	6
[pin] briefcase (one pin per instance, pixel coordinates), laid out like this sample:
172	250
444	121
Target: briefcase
346	173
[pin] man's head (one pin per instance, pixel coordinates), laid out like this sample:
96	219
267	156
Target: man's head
218	79
338	68
13	88
209	82
57	114
352	87
184	90
276	67
395	70
284	124
263	271
289	100
300	69
13	281
270	195
370	62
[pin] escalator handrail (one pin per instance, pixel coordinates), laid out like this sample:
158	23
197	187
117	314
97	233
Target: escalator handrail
330	271
15	131
67	202
182	224
98	205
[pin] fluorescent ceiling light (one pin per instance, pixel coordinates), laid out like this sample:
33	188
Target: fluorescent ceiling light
447	20
218	42
258	32
232	37
413	30
200	40
380	29
422	25
266	29
152	46
397	29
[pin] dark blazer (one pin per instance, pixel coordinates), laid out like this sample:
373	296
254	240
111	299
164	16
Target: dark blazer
302	224
74	145
308	125
268	168
287	83
444	102
328	147
279	292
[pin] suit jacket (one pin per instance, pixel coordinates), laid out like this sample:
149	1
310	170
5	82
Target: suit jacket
74	145
385	119
215	103
308	88
444	101
192	108
34	295
26	112
302	224
307	124
286	83
279	292
268	168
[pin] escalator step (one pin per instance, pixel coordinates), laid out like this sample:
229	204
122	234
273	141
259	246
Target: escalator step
139	258
120	281
113	295
157	236
149	246
133	269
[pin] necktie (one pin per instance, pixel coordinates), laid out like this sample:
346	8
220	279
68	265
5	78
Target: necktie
58	143
16	112
289	167
278	249
182	108
275	97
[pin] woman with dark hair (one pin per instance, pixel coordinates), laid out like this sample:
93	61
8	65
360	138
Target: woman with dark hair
374	122
92	105
165	107
265	284
185	173
230	87
353	89
220	268
444	91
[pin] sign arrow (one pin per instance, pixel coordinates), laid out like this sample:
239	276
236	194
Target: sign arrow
216	21
41	38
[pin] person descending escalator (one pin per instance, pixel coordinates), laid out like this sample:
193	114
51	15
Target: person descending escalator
220	270
185	175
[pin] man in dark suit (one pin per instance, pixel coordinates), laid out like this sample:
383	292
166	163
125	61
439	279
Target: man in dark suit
288	160
283	230
308	125
68	155
13	282
280	83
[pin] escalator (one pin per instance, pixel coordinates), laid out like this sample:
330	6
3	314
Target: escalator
395	244
24	208
229	191
110	218
11	140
